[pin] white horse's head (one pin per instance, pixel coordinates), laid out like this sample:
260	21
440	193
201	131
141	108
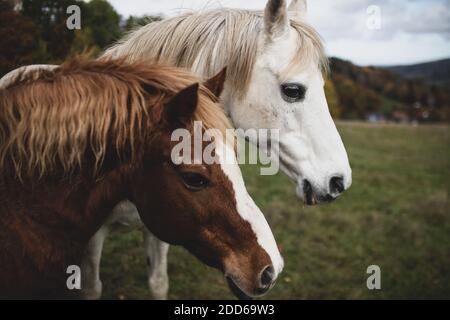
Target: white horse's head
286	92
274	81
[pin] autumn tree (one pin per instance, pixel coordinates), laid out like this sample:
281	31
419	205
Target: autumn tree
134	22
334	103
50	16
20	39
102	21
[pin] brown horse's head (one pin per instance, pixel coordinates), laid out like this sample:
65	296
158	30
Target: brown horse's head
205	208
108	125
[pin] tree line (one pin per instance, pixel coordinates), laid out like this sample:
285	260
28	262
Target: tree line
370	91
37	33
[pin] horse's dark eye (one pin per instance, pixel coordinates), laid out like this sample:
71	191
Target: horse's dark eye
194	181
293	92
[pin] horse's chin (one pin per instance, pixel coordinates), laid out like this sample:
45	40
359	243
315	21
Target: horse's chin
304	191
236	290
310	197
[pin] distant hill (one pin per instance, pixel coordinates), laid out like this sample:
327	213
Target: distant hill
378	92
435	72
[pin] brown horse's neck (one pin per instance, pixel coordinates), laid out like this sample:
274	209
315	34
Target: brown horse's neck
45	226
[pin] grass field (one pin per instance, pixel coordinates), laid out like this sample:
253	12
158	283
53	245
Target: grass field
396	215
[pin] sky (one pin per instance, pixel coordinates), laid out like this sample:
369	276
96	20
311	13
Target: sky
366	32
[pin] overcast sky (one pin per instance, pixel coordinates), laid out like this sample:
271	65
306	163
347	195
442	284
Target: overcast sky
411	30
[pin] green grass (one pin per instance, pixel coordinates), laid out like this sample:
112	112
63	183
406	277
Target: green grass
396	215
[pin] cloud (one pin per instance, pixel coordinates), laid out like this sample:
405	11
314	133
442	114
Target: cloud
174	7
411	31
347	19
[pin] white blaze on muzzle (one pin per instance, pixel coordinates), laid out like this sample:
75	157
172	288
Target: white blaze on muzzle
247	208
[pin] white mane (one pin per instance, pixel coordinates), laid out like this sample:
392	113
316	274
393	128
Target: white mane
205	42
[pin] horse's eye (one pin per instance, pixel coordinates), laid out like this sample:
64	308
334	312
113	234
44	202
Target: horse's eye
293	92
194	181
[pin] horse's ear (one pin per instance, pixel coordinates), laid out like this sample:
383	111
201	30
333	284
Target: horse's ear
217	83
276	20
181	107
298	8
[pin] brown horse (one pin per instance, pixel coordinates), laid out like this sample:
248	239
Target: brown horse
77	140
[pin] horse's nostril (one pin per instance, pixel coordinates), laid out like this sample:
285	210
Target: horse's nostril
337	185
307	186
267	276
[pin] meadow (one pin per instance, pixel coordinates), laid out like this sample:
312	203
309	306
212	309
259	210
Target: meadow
396	215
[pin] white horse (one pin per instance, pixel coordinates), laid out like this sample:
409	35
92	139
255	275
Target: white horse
275	64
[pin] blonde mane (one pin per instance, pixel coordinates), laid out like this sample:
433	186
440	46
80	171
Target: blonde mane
205	42
52	118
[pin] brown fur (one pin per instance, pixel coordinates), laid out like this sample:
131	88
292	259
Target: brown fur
93	133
